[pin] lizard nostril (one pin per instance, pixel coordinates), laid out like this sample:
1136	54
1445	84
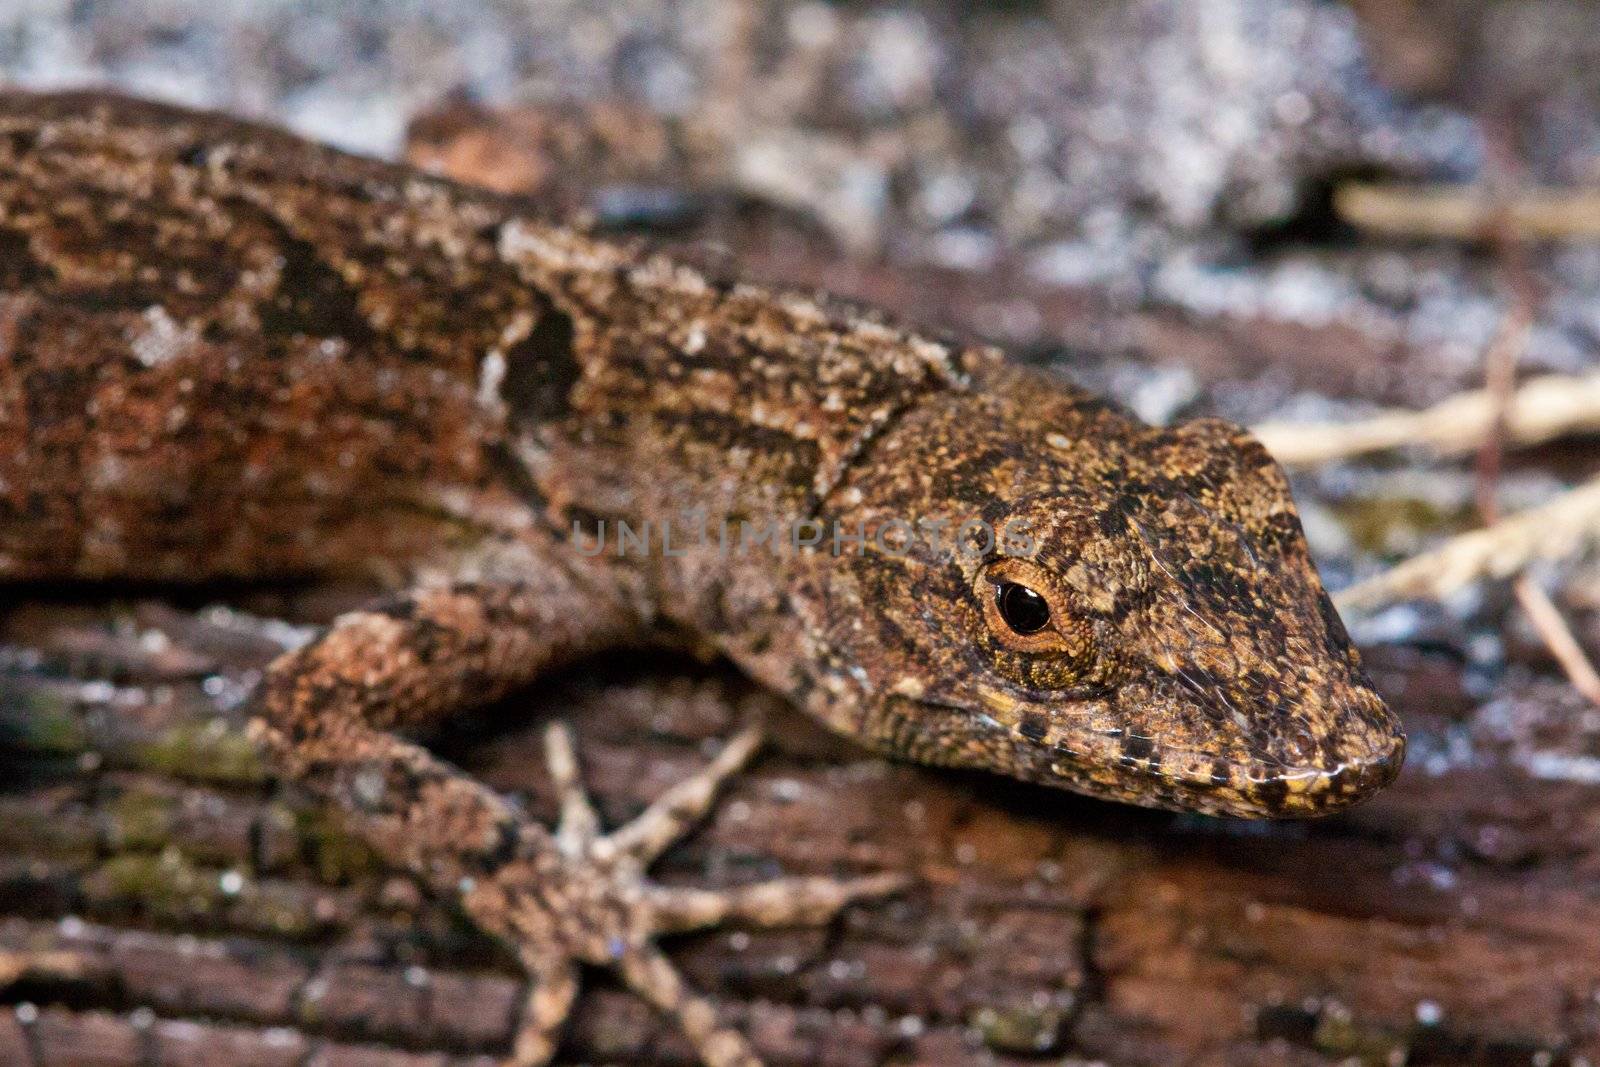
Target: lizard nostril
1365	774
1381	766
1300	746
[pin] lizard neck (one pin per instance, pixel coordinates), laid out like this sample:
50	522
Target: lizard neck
702	416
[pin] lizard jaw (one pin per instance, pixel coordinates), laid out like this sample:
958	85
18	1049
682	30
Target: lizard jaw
1166	746
1134	768
1196	782
1086	747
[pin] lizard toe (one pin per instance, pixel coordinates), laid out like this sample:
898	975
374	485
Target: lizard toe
582	897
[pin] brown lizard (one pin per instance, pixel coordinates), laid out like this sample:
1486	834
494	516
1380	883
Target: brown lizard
227	353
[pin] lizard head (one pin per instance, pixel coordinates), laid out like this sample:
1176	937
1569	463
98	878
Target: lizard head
1134	614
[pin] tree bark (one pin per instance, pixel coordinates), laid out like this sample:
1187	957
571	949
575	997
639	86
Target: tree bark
194	913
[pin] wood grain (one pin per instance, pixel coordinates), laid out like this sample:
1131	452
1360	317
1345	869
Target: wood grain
1452	920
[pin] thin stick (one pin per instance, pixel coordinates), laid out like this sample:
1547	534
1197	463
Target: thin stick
1466	213
1557	636
1511	339
1541	409
1557	530
1505	546
1500	369
1499	377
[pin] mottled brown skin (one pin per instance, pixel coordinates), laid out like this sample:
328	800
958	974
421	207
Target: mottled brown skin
226	353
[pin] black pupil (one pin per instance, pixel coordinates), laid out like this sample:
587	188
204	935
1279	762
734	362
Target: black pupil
1024	611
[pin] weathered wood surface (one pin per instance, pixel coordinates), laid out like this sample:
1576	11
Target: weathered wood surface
214	920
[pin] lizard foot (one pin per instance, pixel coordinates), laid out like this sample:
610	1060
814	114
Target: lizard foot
587	901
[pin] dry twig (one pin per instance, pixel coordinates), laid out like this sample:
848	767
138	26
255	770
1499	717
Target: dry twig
1488	419
1500	368
1469	213
1557	530
1552	628
1542	409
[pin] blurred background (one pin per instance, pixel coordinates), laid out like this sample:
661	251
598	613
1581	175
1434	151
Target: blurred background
1321	219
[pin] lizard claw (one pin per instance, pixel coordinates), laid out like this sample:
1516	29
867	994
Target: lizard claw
587	901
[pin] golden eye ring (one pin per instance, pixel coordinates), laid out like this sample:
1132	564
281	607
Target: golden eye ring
1024	609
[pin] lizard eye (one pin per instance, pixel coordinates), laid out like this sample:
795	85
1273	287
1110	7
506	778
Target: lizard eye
1022	609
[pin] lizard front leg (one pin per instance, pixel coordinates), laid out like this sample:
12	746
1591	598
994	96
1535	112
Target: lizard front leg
331	717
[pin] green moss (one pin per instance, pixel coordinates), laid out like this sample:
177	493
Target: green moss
47	834
274	909
43	721
335	856
170	890
212	751
1338	1034
139	820
1020	1030
165	887
1392	527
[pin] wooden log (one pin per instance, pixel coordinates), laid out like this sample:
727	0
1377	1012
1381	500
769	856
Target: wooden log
214	918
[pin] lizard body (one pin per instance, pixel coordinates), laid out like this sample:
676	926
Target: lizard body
227	353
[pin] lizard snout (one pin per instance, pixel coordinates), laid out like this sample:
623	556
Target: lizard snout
1251	744
1371	770
1364	754
1319	754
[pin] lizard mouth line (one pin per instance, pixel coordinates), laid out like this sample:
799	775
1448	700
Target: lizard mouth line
1253	786
1217	783
1276	770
